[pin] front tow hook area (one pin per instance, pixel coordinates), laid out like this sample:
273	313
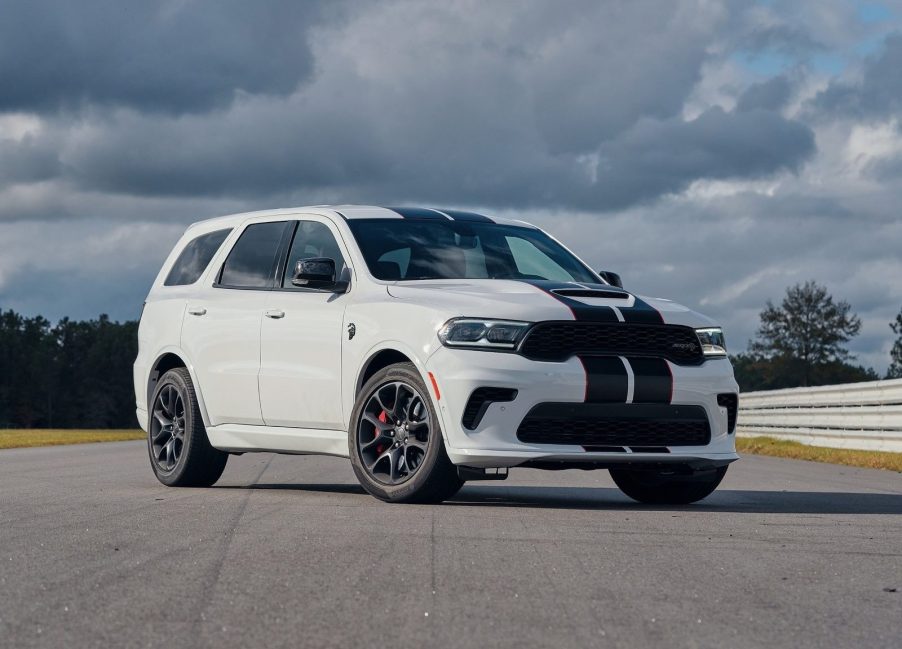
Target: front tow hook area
471	474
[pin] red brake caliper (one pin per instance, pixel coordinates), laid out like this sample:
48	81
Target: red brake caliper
383	417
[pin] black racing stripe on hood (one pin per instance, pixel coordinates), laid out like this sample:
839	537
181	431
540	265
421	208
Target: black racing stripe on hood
642	313
418	213
652	380
582	312
606	379
460	215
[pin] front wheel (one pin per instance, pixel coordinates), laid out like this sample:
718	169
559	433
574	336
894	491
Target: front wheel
395	440
676	486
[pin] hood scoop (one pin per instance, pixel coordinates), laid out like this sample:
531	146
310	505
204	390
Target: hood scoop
588	292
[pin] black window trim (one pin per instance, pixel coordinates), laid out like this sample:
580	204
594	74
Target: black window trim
280	252
282	268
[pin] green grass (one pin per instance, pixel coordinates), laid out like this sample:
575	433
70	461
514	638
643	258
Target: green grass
797	451
21	437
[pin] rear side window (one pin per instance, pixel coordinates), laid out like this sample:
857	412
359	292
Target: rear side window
251	263
194	259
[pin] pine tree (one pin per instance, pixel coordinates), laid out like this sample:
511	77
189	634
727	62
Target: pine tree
807	331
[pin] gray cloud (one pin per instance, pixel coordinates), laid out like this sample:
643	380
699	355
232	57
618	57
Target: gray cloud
656	158
877	94
258	150
768	95
170	56
633	131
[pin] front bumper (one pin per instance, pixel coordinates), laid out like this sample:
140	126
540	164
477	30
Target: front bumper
494	443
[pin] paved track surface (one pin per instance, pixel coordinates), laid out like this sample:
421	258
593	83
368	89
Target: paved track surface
289	552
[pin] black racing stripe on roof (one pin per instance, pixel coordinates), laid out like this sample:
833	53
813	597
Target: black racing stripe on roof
418	213
460	215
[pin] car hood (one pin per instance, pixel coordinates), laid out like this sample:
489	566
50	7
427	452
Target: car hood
536	300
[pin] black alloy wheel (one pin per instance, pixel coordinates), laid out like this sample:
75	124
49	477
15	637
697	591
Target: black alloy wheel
180	451
393	433
395	441
167	428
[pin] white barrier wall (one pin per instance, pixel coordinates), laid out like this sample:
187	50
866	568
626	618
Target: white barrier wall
852	415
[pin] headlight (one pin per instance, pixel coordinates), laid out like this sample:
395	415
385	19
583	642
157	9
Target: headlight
475	332
712	341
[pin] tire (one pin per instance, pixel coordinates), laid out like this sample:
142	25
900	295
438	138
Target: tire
377	443
677	486
175	421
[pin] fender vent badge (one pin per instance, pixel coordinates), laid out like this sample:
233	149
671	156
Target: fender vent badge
352	329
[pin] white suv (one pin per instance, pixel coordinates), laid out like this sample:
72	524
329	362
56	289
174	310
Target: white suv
430	347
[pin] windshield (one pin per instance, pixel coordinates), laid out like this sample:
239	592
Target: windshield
408	249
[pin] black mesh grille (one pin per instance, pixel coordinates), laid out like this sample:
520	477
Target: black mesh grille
480	401
589	424
558	341
729	401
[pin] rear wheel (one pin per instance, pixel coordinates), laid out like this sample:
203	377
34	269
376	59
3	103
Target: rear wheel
180	453
676	486
395	441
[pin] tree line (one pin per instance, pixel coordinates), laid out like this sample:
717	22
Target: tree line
75	374
78	374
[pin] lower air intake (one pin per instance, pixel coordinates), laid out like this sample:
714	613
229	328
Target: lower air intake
480	401
729	401
633	425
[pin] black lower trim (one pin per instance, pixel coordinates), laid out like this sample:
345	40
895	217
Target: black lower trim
633	425
686	467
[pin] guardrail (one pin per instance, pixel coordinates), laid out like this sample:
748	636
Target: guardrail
851	415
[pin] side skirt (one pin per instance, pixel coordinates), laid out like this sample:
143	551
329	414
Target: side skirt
240	438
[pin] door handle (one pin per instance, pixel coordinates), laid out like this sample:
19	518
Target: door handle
196	310
275	314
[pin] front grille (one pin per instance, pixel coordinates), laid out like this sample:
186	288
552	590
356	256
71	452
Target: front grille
593	424
558	341
729	401
480	401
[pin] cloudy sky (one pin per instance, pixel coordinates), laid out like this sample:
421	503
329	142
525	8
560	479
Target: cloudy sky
711	152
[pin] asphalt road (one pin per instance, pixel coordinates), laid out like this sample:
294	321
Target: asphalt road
289	552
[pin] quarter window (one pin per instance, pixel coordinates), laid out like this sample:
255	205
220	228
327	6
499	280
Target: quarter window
193	260
251	263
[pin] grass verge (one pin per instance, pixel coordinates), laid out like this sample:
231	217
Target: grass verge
21	438
797	451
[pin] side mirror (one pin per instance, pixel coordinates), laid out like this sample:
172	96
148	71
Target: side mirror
611	278
318	272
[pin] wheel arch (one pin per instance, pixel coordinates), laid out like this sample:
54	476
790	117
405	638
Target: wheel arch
377	361
168	359
389	353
